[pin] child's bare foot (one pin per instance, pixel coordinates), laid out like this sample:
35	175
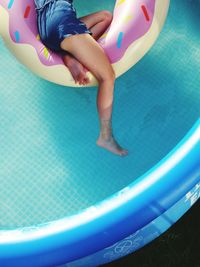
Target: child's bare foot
78	71
111	145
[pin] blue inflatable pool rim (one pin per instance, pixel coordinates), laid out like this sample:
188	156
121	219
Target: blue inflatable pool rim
116	217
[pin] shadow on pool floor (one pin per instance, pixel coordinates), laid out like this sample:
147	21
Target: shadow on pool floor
177	247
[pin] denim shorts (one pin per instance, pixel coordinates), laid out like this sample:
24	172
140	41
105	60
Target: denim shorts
56	21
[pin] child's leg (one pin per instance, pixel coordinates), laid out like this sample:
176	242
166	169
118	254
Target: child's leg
90	54
97	23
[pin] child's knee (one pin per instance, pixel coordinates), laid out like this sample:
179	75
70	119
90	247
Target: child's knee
107	16
108	77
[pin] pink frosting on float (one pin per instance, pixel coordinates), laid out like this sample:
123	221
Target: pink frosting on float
131	20
23	30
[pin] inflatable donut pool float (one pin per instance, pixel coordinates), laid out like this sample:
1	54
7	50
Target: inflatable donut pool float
135	27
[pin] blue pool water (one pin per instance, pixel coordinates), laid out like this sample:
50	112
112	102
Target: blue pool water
50	166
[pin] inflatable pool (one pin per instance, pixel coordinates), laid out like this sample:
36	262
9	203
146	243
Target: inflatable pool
66	202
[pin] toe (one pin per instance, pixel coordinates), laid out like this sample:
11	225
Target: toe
86	81
80	79
124	152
